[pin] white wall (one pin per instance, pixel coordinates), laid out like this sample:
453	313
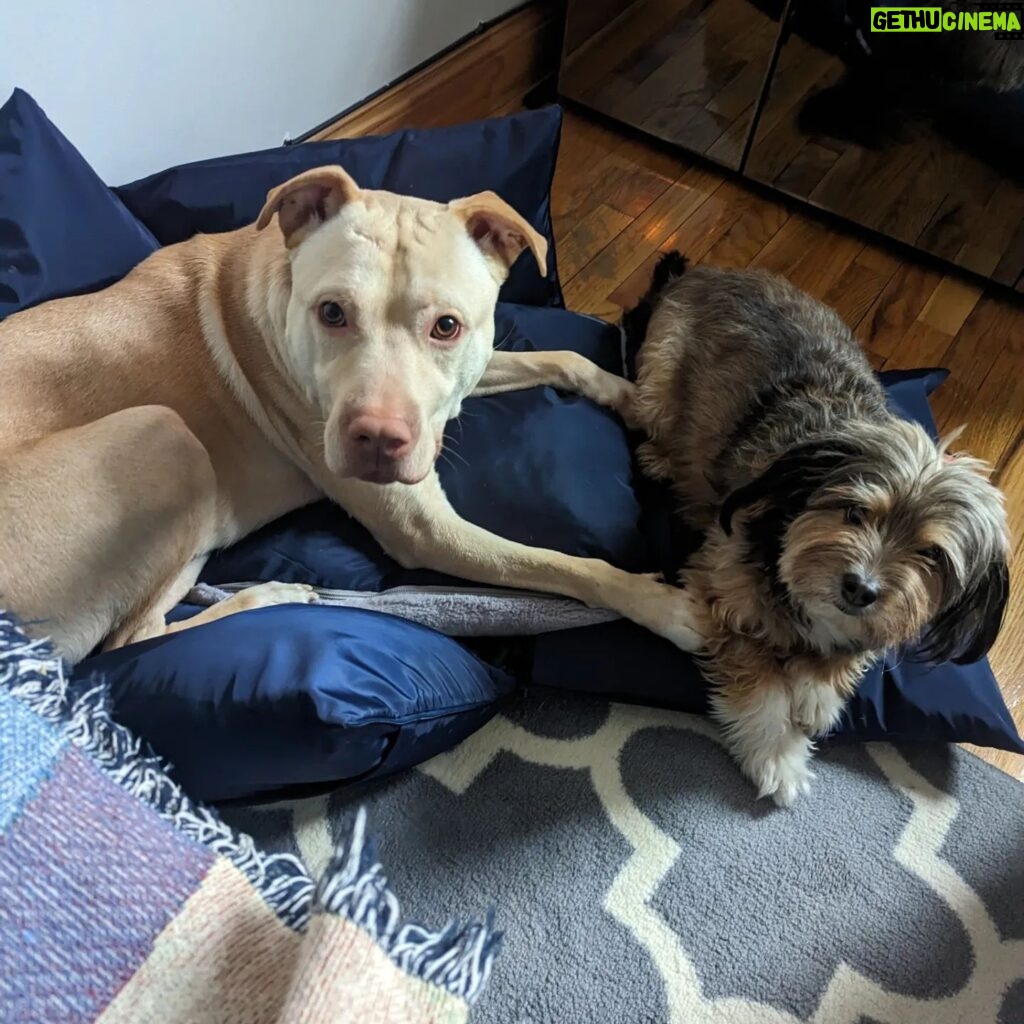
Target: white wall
139	86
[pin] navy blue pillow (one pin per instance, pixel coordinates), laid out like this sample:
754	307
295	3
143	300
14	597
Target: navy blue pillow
899	699
536	466
297	695
513	156
62	231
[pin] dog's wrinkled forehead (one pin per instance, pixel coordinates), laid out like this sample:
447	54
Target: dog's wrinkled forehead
384	247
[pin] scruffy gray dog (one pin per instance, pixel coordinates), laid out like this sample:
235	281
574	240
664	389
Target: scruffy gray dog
834	529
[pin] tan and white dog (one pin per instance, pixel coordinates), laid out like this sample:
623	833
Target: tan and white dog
234	377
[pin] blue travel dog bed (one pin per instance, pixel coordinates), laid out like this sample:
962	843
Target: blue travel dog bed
306	695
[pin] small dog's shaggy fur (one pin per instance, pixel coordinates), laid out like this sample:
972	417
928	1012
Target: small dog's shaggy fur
835	530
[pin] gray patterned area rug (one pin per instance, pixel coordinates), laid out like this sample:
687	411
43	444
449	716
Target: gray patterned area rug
637	880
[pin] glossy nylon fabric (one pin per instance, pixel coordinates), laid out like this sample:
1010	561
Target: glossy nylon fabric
297	695
62	231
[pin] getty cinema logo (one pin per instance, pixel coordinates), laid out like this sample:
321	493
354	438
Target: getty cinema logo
1004	20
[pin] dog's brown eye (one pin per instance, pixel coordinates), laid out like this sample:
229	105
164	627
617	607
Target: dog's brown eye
855	515
446	329
332	314
931	554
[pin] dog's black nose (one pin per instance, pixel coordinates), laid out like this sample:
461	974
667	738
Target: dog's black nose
858	591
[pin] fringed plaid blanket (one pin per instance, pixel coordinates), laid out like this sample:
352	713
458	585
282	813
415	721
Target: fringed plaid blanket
123	901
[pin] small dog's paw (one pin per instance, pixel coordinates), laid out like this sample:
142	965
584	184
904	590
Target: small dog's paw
266	595
783	777
816	708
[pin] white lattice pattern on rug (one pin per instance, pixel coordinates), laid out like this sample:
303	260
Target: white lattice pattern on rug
850	996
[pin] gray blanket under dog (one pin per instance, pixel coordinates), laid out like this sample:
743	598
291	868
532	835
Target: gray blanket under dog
470	611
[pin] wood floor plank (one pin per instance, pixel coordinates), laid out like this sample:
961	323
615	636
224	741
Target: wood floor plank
616	182
994	325
856	290
628	90
951	225
737	97
896	309
758	223
597	165
588	236
818	269
699	232
951	304
920	345
991	416
865	183
633	288
589	290
662	159
787	247
585	145
922	192
802	175
994	233
1011	263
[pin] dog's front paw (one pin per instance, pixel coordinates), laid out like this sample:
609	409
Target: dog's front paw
619	395
816	707
780	767
783	777
673	614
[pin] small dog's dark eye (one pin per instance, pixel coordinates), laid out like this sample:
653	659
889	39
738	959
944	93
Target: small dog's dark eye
931	554
332	314
855	515
446	328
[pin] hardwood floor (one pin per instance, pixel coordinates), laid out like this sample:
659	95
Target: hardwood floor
690	72
618	203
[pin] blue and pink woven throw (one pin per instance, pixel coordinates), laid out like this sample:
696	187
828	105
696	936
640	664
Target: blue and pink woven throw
123	902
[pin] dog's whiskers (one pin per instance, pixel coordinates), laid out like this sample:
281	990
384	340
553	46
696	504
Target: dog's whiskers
455	454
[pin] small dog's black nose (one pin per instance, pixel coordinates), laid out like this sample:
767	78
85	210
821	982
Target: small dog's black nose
858	591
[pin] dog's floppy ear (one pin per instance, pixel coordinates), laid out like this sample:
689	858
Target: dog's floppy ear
501	233
967	626
789	481
304	202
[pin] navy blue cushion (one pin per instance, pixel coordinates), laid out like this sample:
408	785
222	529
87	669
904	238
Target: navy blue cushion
536	466
513	156
62	231
298	695
899	699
